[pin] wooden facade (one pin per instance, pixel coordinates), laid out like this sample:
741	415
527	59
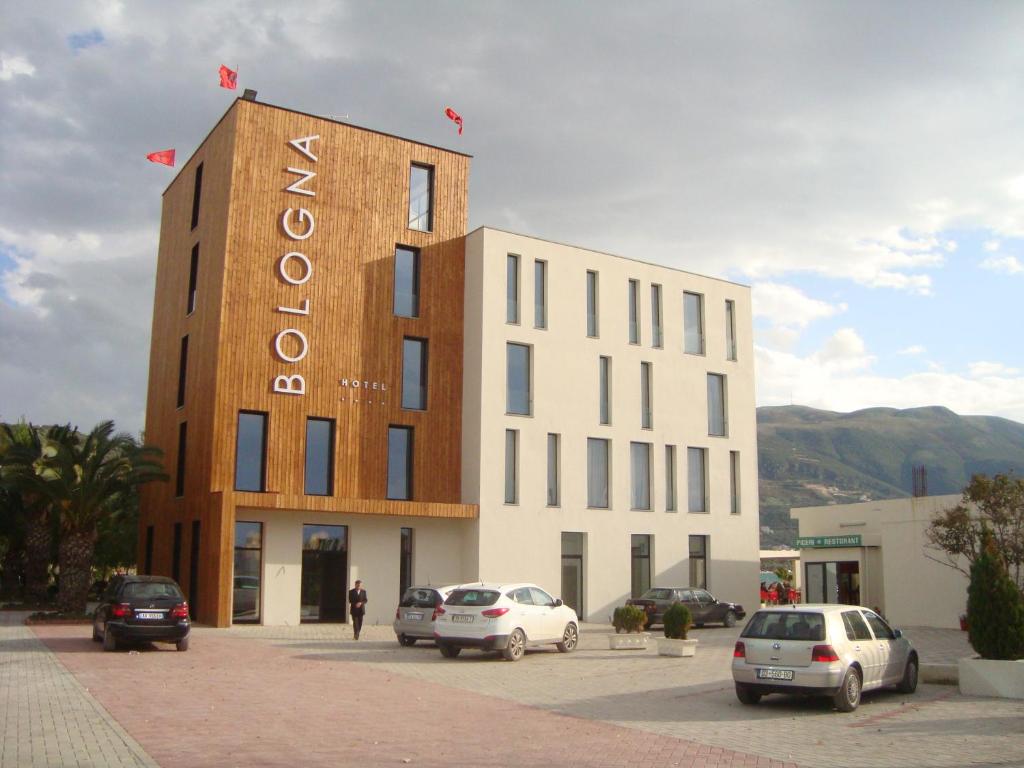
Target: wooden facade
344	310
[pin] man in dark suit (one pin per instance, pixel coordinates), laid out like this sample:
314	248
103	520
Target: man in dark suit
357	602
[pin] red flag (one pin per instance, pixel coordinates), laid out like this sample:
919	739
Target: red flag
453	115
228	78
165	156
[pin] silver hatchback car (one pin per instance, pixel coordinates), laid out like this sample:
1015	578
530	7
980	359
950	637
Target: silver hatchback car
417	612
823	650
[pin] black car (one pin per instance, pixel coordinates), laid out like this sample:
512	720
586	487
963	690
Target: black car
141	609
704	607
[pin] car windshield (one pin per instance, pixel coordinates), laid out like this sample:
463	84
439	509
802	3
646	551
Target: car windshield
473	597
657	594
150	590
419	597
786	625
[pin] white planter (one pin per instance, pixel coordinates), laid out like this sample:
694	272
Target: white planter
629	641
984	677
670	647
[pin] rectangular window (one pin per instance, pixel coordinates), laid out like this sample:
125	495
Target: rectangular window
640	472
400	463
734	482
718	426
634	312
693	323
176	553
656	340
517	394
592	326
414	373
405	562
646	413
512	289
597	473
179	479
511	466
193	280
640	561
604	389
670	478
149	550
324	573
251	452
699	562
246	602
197	192
421	197
193	571
182	368
554	467
540	294
319	457
696	479
730	329
407	282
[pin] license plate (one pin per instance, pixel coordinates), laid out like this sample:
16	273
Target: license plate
462	618
775	674
414	616
148	615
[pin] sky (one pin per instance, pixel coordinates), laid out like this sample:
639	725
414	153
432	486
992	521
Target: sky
859	165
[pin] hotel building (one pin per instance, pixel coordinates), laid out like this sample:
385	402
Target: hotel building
348	385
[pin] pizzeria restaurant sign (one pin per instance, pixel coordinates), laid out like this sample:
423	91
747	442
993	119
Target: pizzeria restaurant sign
828	541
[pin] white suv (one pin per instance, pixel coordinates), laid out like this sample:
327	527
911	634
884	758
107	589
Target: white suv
506	618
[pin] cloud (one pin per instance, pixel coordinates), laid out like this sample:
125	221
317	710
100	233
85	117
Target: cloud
982	369
787	306
991	245
12	66
912	351
82	40
1008	265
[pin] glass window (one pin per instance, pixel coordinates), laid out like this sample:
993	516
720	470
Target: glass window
717	424
473	597
734	482
405	566
319	457
730	329
179	479
540	294
592	327
323	592
511	466
634	312
421	197
646	415
696	479
182	368
604	389
786	625
197	192
245	605
640	559
414	373
512	288
656	340
251	452
517	394
175	559
597	473
540	597
149	550
193	279
640	472
693	323
670	478
882	630
554	481
699	565
399	462
407	282
856	628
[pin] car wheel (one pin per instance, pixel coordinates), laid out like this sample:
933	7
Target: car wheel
448	651
406	640
516	646
182	645
909	682
730	619
848	696
747	695
570	637
109	641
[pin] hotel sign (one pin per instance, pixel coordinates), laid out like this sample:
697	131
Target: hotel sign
822	542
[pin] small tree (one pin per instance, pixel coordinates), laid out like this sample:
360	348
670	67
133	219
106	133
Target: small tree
995	608
629	618
677	621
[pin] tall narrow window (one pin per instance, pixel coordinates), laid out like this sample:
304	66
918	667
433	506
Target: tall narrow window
407	282
197	192
149	550
604	373
640	560
193	571
730	329
517	396
179	478
734	482
176	553
182	369
554	473
670	478
414	374
634	312
693	323
400	463
696	479
319	457
656	340
646	413
540	294
405	561
421	197
246	599
699	563
512	288
597	473
640	473
251	452
718	426
511	466
193	280
592	326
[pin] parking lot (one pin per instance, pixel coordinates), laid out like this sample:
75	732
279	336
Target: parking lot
310	695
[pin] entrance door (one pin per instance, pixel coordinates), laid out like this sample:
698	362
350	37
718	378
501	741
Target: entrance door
833	582
324	573
572	571
849	582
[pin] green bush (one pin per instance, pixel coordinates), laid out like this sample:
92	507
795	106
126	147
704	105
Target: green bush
995	610
629	618
677	621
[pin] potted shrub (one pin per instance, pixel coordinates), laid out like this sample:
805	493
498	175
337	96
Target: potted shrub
629	622
677	623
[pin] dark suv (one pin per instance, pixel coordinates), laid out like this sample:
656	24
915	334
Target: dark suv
143	609
704	607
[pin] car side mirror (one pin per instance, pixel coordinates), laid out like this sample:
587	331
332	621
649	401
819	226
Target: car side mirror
558	602
897	633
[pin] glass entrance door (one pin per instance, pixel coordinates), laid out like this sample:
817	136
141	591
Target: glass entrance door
833	582
324	573
572	571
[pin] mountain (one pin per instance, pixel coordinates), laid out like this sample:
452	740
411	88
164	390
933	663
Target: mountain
808	457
